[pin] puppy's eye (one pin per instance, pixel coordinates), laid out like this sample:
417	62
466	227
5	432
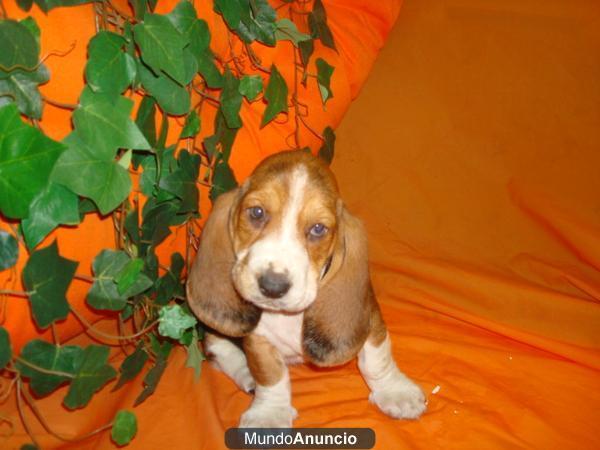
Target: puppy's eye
256	214
318	230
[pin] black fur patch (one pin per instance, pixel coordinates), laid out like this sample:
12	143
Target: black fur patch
317	346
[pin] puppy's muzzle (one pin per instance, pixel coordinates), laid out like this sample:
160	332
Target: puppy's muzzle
273	284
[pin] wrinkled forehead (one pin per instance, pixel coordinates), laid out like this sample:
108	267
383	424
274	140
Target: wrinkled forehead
289	178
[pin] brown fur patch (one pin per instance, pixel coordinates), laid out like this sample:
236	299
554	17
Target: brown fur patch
336	325
264	361
211	294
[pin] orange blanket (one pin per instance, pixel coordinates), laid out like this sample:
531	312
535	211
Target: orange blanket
472	156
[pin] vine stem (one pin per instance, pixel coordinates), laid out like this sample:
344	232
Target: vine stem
14	293
84	278
89	327
42	370
22	414
30	401
70	106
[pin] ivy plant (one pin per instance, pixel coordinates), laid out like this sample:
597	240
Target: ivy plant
166	61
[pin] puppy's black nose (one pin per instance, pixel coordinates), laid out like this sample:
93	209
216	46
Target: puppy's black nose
273	284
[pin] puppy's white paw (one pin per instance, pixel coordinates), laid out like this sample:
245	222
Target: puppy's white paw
267	416
403	401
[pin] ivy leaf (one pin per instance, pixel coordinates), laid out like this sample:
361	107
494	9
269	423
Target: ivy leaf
124	427
151	379
231	100
5	348
231	10
129	275
169	284
145	119
156	221
46	277
171	97
183	17
161	45
27	157
103	121
93	373
104	294
276	96
257	22
251	86
53	206
324	72
209	70
9	250
306	50
326	151
223	135
192	125
132	366
181	180
64	358
194	356
286	30
21	87
317	22
173	320
109	69
47	5
99	177
223	180
19	46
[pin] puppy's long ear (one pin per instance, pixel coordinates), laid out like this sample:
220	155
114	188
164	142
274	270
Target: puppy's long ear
337	323
211	294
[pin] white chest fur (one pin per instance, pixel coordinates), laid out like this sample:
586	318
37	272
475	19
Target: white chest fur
284	331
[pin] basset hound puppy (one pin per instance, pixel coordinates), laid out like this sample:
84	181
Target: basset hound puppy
283	265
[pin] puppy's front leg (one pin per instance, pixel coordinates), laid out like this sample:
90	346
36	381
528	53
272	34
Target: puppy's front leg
393	392
272	404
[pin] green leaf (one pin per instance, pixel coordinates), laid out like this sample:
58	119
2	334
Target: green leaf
109	69
132	226
324	72
251	86
183	17
171	97
326	151
257	22
99	176
170	284
33	27
21	87
53	206
223	136
156	221
151	380
132	366
181	181
9	250
209	70
5	348
129	275
27	157
194	356
25	5
231	10
192	125
288	31
65	359
146	119
231	100
173	320
161	45
103	121
124	427
223	180
317	22
306	50
103	294
46	277
47	5
20	48
93	373
275	96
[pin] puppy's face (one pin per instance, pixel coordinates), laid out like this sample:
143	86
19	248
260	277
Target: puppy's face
283	230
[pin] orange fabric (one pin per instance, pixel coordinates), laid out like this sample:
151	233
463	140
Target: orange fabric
471	155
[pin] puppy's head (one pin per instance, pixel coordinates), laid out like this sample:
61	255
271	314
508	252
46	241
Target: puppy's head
283	241
284	228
